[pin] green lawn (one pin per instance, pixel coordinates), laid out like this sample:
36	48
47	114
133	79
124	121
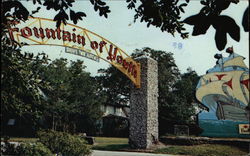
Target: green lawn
110	144
203	150
121	144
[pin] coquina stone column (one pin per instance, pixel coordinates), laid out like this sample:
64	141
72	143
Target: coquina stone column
143	130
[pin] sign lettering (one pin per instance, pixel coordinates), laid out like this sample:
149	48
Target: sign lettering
41	31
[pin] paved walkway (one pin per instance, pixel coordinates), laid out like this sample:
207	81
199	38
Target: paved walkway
112	153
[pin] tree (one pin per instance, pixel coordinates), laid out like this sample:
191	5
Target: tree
176	91
186	86
21	96
168	74
163	14
74	100
86	96
210	15
115	86
57	109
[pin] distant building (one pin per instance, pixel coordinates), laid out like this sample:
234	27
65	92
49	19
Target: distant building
112	113
118	110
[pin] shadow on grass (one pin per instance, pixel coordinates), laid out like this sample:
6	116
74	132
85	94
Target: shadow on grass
204	150
111	147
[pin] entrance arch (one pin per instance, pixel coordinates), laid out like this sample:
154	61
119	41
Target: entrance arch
144	98
42	31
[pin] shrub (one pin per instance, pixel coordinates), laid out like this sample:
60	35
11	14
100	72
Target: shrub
24	149
7	148
34	149
64	143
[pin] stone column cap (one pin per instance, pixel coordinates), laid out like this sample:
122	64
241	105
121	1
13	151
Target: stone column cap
147	56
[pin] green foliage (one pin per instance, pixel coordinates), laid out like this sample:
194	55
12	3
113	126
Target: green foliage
74	98
210	15
24	149
163	14
56	93
64	11
22	139
185	87
21	96
245	20
34	149
20	86
64	143
7	148
176	91
115	86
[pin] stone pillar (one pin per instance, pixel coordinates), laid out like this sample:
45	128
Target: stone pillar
143	117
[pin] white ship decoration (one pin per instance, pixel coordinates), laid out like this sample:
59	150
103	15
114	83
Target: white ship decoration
224	90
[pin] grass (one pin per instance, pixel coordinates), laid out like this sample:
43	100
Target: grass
22	139
108	140
203	150
110	144
121	144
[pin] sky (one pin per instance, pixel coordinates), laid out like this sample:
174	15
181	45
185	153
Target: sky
196	52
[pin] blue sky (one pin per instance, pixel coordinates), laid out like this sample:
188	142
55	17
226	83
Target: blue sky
196	52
